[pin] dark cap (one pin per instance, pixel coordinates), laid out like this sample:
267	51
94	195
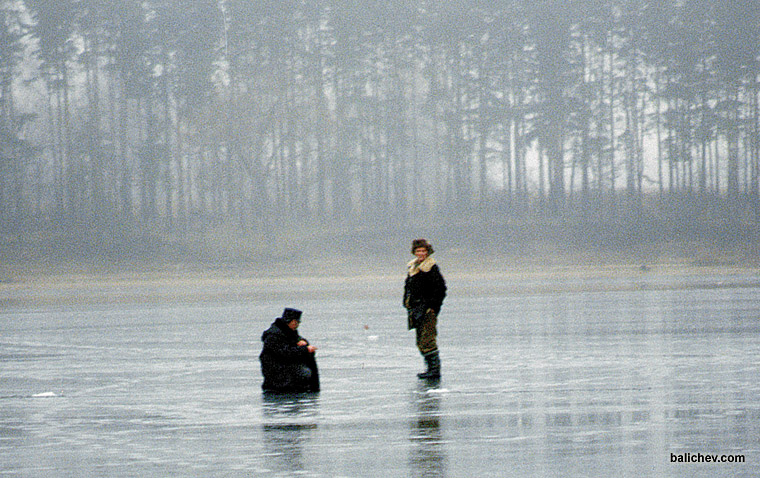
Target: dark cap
291	314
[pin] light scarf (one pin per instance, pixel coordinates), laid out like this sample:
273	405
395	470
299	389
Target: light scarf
414	267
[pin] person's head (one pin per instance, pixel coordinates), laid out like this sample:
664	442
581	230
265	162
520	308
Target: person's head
292	317
421	249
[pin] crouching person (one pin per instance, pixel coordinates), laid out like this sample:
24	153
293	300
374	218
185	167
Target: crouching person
287	360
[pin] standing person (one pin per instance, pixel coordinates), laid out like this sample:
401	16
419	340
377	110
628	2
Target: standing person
424	291
287	360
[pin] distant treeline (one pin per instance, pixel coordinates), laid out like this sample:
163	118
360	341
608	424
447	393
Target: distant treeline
185	115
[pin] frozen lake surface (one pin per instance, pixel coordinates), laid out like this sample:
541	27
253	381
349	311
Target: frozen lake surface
606	376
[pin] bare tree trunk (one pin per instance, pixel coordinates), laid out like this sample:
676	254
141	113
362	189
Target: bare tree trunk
658	135
732	140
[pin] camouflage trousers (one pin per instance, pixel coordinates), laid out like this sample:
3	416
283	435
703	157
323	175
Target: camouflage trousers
427	333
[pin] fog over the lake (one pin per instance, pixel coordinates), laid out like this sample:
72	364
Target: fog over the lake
238	131
175	172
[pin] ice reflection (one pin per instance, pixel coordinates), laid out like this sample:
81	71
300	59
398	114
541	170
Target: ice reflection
289	421
427	454
584	383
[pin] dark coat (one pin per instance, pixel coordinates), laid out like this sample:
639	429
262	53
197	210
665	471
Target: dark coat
424	289
282	361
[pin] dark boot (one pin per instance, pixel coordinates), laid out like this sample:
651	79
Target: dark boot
433	361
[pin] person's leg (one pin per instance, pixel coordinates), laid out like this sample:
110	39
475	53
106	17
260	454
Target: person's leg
433	361
427	344
427	334
298	378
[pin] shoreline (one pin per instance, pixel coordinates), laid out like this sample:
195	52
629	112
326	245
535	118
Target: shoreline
492	275
336	267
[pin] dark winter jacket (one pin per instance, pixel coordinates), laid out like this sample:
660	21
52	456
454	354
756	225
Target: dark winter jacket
424	289
282	361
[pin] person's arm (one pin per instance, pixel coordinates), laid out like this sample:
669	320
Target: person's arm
304	343
438	289
405	301
283	350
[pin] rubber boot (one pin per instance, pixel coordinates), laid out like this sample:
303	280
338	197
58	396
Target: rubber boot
433	361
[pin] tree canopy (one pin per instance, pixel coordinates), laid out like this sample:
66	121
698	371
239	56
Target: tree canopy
194	114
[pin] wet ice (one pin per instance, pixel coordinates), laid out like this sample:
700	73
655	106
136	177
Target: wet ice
586	377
